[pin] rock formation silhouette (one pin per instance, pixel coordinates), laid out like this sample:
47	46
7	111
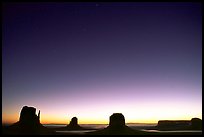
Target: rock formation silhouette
29	123
117	127
117	120
193	124
73	125
173	124
28	117
196	124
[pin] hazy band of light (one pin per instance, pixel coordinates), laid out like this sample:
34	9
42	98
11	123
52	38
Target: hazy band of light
92	109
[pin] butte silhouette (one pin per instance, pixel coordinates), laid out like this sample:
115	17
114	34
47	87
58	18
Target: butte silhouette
117	127
196	124
73	125
28	124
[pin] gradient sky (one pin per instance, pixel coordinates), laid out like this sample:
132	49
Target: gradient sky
90	60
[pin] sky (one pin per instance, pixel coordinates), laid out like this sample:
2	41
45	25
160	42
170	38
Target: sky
90	60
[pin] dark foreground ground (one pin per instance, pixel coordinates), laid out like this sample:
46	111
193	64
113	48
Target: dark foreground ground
105	131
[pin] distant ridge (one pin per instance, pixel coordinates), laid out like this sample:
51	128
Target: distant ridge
29	124
194	124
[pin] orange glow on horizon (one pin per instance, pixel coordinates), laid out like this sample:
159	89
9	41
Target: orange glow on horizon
49	119
99	114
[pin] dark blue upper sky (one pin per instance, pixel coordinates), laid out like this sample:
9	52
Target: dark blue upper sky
129	49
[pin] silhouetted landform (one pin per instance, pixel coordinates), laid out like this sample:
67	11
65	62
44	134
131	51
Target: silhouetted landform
73	125
117	127
193	124
173	124
196	124
29	123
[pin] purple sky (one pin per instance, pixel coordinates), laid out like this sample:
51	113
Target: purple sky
73	59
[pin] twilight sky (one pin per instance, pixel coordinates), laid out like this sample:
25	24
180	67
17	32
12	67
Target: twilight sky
90	60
